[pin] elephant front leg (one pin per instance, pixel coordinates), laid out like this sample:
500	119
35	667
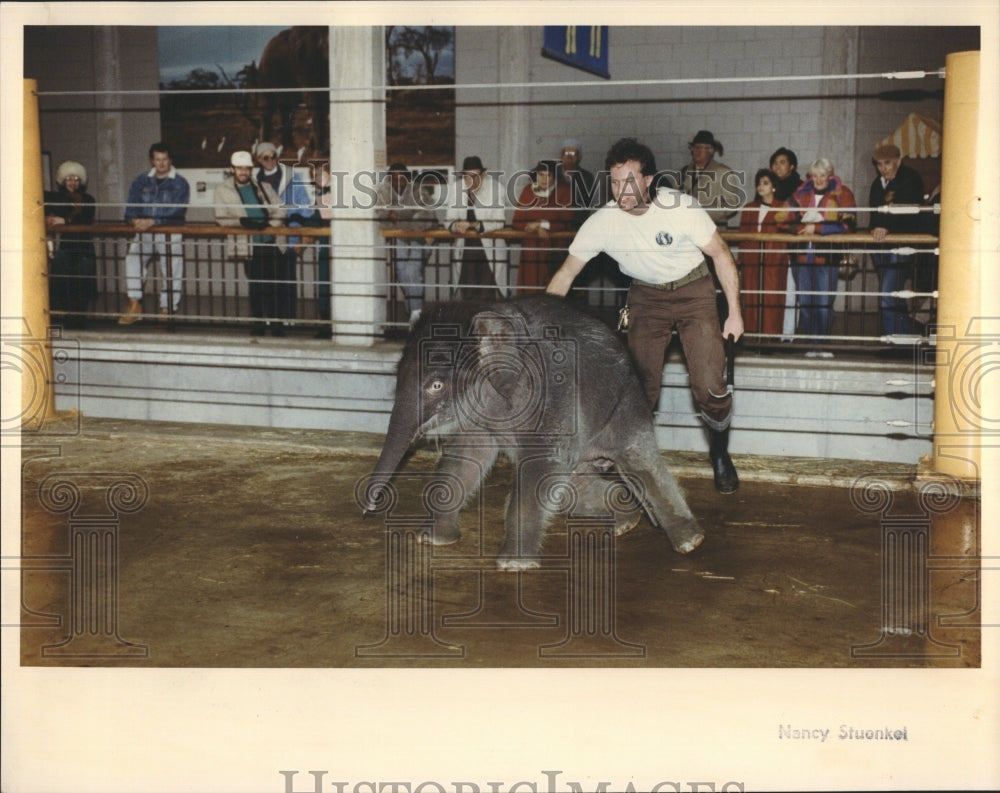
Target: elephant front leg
458	477
533	499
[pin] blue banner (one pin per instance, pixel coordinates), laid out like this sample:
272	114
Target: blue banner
581	46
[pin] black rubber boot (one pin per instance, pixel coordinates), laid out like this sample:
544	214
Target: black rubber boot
726	480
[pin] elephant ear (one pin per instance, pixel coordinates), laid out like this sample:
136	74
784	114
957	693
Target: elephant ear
500	337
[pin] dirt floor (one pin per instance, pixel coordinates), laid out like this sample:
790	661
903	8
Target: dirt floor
167	545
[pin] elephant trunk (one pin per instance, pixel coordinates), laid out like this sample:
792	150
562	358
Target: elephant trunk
403	430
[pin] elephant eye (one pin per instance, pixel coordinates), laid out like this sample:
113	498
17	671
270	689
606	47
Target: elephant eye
435	386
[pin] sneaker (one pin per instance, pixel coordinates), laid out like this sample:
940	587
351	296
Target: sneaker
132	312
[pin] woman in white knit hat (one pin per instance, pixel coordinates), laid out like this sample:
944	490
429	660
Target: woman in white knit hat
73	267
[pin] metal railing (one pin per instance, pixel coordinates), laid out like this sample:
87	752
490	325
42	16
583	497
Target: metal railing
216	289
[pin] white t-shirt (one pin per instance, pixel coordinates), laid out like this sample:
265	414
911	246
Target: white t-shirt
660	245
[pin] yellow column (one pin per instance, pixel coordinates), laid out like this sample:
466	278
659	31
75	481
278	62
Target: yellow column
37	392
956	407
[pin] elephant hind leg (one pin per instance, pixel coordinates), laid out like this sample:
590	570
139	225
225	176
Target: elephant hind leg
604	497
652	484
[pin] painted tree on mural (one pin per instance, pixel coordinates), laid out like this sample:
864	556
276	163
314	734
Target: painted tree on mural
420	125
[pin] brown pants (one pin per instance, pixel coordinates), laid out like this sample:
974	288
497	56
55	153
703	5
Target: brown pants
653	315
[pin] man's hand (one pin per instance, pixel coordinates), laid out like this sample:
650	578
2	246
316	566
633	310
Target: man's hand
733	326
878	234
142	224
563	279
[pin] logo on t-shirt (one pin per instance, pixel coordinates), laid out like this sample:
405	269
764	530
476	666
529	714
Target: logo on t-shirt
664	238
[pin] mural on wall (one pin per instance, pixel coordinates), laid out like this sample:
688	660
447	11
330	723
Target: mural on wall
238	73
236	76
420	124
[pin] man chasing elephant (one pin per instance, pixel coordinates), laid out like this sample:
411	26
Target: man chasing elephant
661	242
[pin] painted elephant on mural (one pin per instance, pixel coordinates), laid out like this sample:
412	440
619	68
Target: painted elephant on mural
552	389
296	58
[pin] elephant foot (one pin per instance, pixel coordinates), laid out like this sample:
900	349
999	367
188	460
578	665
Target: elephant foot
430	539
626	523
685	535
442	535
520	563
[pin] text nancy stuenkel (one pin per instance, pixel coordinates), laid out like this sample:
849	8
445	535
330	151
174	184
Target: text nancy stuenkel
845	732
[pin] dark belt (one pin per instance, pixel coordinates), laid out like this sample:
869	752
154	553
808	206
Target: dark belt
697	273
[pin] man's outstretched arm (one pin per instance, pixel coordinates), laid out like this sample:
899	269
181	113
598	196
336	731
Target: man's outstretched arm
563	279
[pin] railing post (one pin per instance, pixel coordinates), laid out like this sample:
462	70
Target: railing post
956	439
37	390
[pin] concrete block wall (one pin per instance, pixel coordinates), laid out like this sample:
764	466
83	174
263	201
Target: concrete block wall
784	407
751	118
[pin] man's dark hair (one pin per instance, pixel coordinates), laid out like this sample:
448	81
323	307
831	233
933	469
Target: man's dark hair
792	159
159	146
627	149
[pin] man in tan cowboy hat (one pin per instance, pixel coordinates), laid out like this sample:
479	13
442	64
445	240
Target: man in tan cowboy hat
714	185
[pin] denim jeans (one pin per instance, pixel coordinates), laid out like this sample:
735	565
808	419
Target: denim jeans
815	311
892	271
169	250
410	258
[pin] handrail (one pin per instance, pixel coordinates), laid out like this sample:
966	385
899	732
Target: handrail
199	229
214	230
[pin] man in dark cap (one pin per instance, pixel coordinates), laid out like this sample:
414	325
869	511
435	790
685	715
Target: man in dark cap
896	185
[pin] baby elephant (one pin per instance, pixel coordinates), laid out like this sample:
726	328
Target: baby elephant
553	390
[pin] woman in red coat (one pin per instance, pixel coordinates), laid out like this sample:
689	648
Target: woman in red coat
544	206
763	265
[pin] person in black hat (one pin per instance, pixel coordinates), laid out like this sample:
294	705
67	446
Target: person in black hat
479	264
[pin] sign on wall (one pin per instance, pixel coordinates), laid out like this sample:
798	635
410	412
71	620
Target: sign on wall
581	46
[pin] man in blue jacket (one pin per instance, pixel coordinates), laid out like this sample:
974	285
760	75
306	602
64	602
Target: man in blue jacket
158	197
